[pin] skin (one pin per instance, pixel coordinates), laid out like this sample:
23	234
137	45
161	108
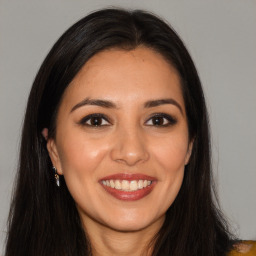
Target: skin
129	141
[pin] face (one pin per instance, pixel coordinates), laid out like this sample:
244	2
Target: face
122	139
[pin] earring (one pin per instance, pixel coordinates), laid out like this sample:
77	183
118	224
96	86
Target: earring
57	178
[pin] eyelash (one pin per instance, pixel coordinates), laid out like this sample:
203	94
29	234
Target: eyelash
96	115
170	120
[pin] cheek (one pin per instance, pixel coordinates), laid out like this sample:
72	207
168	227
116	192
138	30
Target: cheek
169	159
80	156
171	154
80	160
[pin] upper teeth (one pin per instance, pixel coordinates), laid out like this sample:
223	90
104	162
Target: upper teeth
127	185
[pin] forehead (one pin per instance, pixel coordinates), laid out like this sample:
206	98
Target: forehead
134	76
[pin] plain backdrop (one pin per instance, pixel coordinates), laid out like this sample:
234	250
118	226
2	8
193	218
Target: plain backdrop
221	37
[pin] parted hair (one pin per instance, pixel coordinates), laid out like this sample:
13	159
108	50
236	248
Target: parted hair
43	219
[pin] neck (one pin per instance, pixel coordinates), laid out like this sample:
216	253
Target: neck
106	241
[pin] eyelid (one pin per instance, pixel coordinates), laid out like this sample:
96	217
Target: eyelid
99	115
171	120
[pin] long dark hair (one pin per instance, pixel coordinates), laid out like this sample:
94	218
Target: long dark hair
43	218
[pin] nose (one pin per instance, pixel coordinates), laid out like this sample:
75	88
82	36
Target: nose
129	147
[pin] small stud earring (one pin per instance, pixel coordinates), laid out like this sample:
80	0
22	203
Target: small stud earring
57	177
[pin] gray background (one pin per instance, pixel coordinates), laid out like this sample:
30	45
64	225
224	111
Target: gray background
221	37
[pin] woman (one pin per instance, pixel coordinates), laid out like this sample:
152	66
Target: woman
115	152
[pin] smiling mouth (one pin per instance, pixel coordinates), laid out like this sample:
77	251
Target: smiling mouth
128	187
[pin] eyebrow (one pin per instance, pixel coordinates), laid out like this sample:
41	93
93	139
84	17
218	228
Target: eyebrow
94	102
110	104
156	103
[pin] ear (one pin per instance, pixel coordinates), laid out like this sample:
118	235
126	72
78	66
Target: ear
54	155
190	148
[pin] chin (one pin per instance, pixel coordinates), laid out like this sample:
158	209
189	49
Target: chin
127	227
132	224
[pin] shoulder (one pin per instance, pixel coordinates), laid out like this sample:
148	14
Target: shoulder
244	248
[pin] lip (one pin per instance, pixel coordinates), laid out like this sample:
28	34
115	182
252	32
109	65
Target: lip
129	195
128	176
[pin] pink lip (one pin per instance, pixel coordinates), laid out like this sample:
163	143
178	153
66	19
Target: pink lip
129	195
128	176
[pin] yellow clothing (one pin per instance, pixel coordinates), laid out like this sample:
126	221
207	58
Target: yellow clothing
245	248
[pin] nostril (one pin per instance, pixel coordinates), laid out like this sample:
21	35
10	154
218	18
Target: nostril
129	153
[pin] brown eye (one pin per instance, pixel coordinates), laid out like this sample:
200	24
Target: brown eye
161	120
158	120
95	120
